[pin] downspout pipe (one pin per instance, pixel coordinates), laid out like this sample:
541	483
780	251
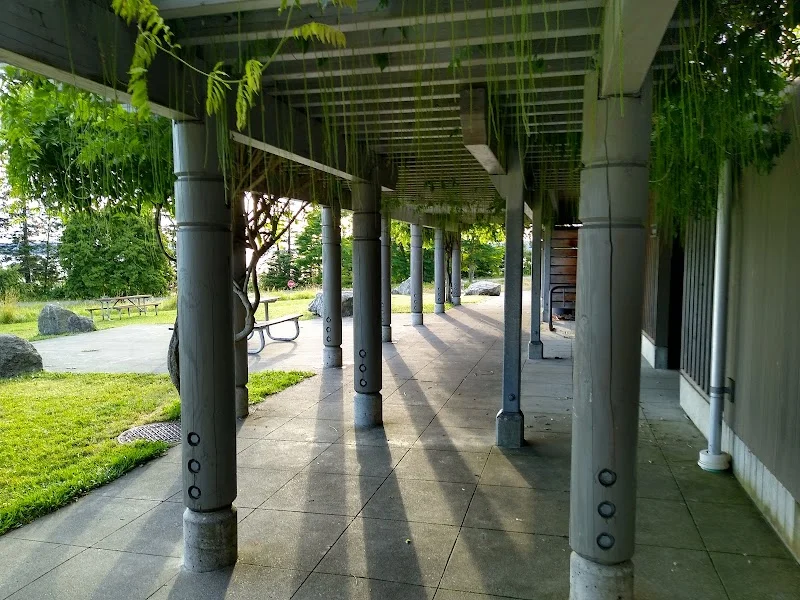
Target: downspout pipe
713	459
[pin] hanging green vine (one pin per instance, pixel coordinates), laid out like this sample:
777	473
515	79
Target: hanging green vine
721	101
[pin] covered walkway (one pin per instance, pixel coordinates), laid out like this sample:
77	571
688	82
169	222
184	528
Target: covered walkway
425	507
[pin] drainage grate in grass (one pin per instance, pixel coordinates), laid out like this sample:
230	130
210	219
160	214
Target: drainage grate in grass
169	432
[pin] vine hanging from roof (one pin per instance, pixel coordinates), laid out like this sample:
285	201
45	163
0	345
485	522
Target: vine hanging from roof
154	36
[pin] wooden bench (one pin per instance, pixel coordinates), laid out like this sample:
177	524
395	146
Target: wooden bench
263	327
143	308
99	309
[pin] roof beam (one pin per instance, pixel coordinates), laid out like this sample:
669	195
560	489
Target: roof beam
450	14
181	9
86	45
632	34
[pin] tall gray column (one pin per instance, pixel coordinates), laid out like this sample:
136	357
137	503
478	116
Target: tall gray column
608	313
438	270
367	350
510	421
456	274
535	348
239	310
416	274
332	287
547	236
205	315
386	279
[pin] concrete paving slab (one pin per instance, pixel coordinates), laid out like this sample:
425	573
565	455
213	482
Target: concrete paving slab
519	509
373	461
651	514
442	465
736	528
288	540
324	586
502	563
157	480
85	522
656	481
519	470
24	561
414	553
749	577
255	486
242	582
326	493
675	574
700	486
420	501
280	455
310	430
96	573
158	532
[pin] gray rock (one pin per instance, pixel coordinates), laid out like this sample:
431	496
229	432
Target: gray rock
17	356
483	288
55	320
317	304
173	359
404	289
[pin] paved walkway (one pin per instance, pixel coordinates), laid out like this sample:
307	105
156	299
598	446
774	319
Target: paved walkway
426	507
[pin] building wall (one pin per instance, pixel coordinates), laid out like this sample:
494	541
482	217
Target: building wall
762	425
764	313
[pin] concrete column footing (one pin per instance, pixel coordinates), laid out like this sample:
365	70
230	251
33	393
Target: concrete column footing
242	402
510	429
386	333
535	350
209	539
714	463
589	580
438	309
331	357
416	318
367	410
456	300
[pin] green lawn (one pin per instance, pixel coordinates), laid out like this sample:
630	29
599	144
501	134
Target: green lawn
58	433
20	319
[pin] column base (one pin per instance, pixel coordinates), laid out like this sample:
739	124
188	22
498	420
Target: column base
416	318
367	410
714	463
535	350
589	580
386	333
456	301
438	309
209	539
331	357
510	429
242	402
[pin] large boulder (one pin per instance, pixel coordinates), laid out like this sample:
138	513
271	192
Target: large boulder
17	356
483	288
56	320
404	289
317	304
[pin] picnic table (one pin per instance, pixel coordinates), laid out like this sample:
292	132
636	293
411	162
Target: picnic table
138	302
262	328
266	302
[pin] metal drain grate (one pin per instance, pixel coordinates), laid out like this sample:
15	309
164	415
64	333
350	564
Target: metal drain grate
169	432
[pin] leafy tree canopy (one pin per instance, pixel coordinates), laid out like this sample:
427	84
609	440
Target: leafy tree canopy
722	100
112	253
75	151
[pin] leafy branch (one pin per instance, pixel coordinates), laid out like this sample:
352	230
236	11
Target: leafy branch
154	35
